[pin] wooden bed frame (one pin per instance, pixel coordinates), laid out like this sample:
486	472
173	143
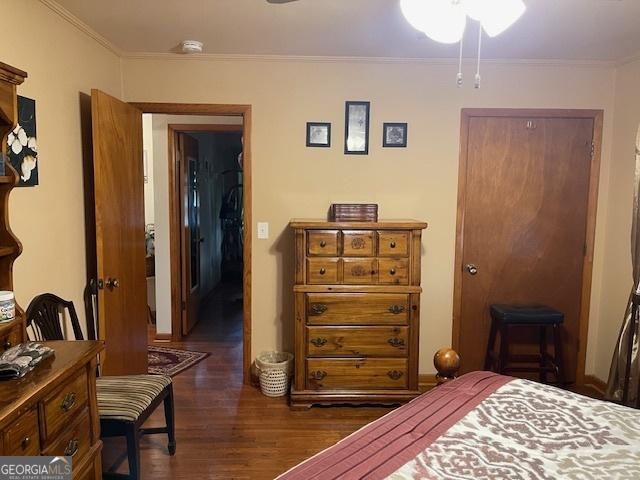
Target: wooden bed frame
447	363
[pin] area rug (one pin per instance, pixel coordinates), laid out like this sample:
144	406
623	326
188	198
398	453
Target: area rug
172	361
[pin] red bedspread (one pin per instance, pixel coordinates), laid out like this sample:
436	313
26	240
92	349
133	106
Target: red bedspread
382	447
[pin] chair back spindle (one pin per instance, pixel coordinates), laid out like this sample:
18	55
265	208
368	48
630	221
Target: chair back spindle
46	318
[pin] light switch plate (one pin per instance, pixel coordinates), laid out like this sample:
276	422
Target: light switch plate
263	230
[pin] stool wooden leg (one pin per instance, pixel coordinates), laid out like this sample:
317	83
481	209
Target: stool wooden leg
133	450
558	357
543	354
169	418
504	348
488	360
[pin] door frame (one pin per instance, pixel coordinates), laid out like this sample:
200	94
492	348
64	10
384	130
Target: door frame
179	283
592	205
243	111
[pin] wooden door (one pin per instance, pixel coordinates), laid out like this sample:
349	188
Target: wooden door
191	238
524	226
120	244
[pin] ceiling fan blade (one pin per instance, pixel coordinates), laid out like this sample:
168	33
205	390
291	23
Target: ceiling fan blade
281	1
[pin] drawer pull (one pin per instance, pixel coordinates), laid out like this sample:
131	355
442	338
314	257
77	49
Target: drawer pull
323	271
26	441
394	374
392	244
319	375
323	244
72	448
7	344
68	402
318	308
392	271
396	309
396	342
319	342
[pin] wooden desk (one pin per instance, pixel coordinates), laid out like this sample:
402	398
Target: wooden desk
53	410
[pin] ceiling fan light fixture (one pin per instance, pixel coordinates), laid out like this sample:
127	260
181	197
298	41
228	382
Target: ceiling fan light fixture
441	20
191	46
495	15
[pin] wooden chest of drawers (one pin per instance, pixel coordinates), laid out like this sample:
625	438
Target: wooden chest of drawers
357	312
53	409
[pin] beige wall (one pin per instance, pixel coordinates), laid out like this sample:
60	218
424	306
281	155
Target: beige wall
62	63
290	180
617	275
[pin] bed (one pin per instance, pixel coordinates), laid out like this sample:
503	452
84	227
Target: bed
488	426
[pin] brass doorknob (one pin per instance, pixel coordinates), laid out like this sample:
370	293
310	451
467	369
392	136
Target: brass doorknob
472	269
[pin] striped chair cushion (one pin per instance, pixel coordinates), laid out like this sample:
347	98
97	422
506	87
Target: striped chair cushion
126	397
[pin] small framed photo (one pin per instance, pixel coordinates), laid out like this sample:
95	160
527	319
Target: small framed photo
318	134
394	135
356	130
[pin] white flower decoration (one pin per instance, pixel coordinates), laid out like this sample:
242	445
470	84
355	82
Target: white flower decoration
33	144
18	139
28	164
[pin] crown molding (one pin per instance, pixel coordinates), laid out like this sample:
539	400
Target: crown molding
80	25
630	59
215	57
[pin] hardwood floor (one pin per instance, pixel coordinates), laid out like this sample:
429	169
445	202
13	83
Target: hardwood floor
227	430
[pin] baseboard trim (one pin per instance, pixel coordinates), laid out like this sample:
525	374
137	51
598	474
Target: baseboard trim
596	383
162	337
426	381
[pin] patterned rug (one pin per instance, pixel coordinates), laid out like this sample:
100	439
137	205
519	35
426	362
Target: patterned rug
171	361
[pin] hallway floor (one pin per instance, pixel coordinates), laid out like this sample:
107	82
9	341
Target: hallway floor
227	430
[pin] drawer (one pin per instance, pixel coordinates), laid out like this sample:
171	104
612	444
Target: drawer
322	270
358	243
357	341
393	244
75	441
322	242
393	271
359	271
62	406
13	338
356	373
22	437
357	308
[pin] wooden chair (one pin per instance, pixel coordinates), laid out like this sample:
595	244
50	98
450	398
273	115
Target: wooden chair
124	402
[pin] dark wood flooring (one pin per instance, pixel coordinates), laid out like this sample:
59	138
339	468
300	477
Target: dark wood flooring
227	430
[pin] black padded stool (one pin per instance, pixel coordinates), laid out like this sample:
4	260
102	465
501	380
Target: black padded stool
503	317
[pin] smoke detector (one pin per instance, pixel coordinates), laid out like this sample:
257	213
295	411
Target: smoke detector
191	46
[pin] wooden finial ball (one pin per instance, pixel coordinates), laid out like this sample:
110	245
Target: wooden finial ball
447	362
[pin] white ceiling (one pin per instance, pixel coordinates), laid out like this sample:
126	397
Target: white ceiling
607	30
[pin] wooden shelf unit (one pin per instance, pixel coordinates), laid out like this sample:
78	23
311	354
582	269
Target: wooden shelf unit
10	248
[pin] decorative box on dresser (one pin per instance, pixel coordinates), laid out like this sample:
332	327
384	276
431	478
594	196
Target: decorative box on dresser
53	409
357	312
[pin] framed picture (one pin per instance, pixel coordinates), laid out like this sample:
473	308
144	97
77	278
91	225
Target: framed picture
22	146
318	134
394	135
356	128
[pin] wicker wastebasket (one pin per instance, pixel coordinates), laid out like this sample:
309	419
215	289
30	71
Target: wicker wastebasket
274	369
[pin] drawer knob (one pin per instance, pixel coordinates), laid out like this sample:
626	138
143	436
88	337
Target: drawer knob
318	308
392	271
394	374
7	344
68	402
392	244
396	309
319	342
323	271
26	441
396	342
323	244
72	448
319	375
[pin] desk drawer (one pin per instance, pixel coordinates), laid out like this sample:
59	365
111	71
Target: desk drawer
75	441
357	341
356	374
62	406
357	308
393	271
322	271
393	244
22	437
322	243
